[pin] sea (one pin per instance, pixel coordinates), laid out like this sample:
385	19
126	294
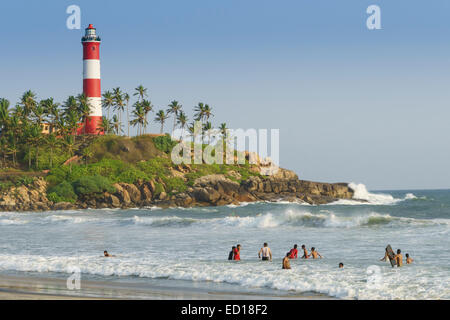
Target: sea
187	248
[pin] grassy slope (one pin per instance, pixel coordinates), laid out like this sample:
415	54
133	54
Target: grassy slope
116	159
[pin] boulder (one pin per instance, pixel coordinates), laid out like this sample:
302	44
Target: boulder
183	200
133	192
146	193
207	194
122	194
162	196
63	206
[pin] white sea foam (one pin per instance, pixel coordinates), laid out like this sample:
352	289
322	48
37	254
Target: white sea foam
347	284
362	196
6	222
288	218
69	218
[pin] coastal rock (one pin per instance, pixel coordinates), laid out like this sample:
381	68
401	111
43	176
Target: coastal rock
183	200
146	193
210	190
63	206
207	194
133	192
122	194
162	196
209	180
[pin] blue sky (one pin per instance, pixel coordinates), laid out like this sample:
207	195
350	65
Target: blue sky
351	104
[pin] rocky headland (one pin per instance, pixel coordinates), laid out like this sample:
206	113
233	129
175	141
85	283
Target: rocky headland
209	190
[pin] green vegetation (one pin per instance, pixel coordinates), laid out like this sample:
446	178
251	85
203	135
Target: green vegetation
164	143
92	185
62	192
16	181
45	135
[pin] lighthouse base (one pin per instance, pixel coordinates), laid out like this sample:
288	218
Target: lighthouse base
93	125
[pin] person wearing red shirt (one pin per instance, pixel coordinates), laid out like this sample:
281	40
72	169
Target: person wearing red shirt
293	253
237	253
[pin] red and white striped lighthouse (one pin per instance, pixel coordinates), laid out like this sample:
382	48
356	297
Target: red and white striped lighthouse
91	80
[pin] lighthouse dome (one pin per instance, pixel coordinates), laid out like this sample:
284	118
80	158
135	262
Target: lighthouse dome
90	34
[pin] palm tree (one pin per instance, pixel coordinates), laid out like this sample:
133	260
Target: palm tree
141	92
4	150
108	101
71	122
69	143
126	97
207	112
207	127
199	111
12	147
39	114
119	102
15	134
223	129
175	108
84	109
106	126
182	120
116	125
192	130
70	104
4	114
52	142
34	138
140	118
148	107
28	102
51	109
161	117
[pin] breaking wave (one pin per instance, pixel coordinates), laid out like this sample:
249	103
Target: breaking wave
362	196
289	218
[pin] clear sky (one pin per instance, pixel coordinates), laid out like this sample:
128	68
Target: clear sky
352	104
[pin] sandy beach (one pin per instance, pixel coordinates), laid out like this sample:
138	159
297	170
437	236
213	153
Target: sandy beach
40	288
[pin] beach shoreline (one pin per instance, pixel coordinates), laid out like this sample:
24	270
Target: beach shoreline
46	288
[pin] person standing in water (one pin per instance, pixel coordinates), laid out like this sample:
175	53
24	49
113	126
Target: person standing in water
293	253
409	260
231	254
237	252
398	258
386	256
266	253
286	262
305	252
341	265
314	253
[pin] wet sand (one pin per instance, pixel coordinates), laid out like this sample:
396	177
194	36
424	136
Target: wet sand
40	288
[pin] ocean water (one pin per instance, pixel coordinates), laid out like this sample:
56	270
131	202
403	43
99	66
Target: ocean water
188	248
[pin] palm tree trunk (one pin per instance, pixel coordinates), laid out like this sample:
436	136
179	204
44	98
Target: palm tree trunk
128	120
174	123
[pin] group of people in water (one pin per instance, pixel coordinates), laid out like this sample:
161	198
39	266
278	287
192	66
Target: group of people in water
265	254
397	258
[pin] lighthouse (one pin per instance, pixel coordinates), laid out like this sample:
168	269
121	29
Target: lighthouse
91	80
